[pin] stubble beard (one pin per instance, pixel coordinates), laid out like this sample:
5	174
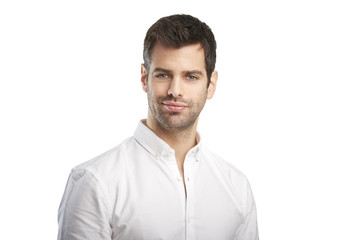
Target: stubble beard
175	121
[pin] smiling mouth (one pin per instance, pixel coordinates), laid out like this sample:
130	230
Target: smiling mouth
174	106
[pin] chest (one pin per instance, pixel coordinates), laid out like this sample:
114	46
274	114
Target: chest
157	203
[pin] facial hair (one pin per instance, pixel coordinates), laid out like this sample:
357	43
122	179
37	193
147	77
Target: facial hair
178	121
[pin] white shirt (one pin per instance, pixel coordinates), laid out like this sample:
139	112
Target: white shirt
135	192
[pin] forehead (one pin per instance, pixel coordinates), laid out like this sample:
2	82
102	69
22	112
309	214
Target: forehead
186	57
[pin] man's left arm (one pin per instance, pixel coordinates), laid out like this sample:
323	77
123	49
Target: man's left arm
249	228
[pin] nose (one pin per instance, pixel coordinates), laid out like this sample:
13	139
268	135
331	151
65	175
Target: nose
175	88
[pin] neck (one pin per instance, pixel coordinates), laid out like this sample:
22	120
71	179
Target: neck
179	140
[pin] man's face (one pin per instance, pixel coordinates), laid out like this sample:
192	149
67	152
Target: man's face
176	85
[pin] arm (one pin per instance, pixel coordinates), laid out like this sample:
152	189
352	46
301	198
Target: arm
248	230
83	212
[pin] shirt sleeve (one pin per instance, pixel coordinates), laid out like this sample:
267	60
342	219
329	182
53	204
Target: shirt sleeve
83	212
248	230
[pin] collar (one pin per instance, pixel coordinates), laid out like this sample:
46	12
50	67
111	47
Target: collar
158	147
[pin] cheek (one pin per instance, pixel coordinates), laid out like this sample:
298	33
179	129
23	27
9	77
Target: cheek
159	89
198	93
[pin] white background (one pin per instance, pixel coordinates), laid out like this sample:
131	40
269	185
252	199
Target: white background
286	111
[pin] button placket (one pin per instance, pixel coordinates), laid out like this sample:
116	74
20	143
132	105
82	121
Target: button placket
188	176
179	179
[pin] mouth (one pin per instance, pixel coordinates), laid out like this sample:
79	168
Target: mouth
174	106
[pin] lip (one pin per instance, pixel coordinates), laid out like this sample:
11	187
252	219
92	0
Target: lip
174	106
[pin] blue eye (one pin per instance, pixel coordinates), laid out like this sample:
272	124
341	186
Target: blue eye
192	77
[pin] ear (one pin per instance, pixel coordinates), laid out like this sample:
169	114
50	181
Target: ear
143	78
212	85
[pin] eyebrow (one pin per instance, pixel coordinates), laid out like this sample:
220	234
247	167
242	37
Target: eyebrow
158	69
198	72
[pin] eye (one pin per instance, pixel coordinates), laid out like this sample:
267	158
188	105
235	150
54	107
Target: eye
192	77
161	75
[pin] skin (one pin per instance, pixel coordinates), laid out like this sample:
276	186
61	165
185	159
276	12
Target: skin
176	87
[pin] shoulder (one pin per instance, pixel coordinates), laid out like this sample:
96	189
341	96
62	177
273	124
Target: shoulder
231	177
106	165
227	169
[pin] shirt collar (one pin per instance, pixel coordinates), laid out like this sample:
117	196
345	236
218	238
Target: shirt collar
159	148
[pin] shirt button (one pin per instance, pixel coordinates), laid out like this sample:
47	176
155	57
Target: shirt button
179	179
188	220
157	155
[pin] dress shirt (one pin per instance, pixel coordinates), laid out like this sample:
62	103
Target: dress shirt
135	192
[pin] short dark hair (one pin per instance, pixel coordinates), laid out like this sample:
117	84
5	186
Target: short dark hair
180	30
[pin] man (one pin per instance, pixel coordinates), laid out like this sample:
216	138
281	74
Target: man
162	183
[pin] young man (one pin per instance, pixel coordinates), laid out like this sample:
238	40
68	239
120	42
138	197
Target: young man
162	183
